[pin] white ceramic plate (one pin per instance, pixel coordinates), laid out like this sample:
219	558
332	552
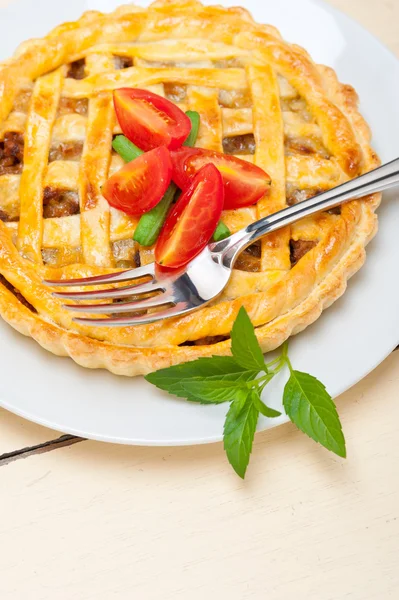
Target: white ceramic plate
349	340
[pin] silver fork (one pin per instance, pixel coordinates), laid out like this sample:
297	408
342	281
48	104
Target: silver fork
205	277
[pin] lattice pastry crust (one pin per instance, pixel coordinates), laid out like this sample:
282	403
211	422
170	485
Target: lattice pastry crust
259	98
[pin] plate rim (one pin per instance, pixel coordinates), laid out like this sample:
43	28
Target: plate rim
353	23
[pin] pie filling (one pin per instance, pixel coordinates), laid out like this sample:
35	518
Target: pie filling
305	146
239	144
294	195
298	249
207	341
66	151
11	153
122	62
299	106
54	257
175	92
76	69
235	98
73	105
59	203
249	259
5	217
125	254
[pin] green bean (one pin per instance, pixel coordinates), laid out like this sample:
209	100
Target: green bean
125	148
221	232
150	224
195	123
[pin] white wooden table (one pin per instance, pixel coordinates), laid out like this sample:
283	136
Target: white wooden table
82	520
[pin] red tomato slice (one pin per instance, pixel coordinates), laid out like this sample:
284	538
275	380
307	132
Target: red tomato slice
141	183
149	120
244	183
192	220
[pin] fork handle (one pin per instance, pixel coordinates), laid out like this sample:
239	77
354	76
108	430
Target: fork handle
377	180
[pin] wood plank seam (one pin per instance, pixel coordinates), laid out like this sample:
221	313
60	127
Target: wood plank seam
61	442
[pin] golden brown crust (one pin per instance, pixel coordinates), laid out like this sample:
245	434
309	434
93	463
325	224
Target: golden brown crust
291	98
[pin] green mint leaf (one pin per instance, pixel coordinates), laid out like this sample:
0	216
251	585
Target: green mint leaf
170	379
266	411
239	432
244	345
217	388
240	398
311	408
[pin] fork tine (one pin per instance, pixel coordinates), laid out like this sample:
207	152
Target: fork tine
140	320
123	292
122	307
128	275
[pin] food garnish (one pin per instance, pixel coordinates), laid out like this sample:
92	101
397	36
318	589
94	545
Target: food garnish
192	220
134	189
244	183
150	223
240	380
149	120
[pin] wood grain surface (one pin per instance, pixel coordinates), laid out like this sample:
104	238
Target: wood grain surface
82	520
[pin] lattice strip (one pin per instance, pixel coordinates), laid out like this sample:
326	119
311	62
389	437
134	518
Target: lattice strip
239	218
99	62
269	137
9	195
65	231
183	50
313	228
37	144
205	101
62	174
294	126
337	132
313	172
15	122
237	121
229	79
69	128
95	215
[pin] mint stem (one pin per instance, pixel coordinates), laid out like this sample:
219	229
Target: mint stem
284	356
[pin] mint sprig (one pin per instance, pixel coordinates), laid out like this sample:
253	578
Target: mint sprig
244	345
309	405
239	433
240	379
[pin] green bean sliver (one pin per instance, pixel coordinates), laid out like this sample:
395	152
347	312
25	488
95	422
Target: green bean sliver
150	223
195	123
125	148
221	232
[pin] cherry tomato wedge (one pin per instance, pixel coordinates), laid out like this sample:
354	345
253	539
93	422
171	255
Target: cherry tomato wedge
149	120
141	183
192	220
244	183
